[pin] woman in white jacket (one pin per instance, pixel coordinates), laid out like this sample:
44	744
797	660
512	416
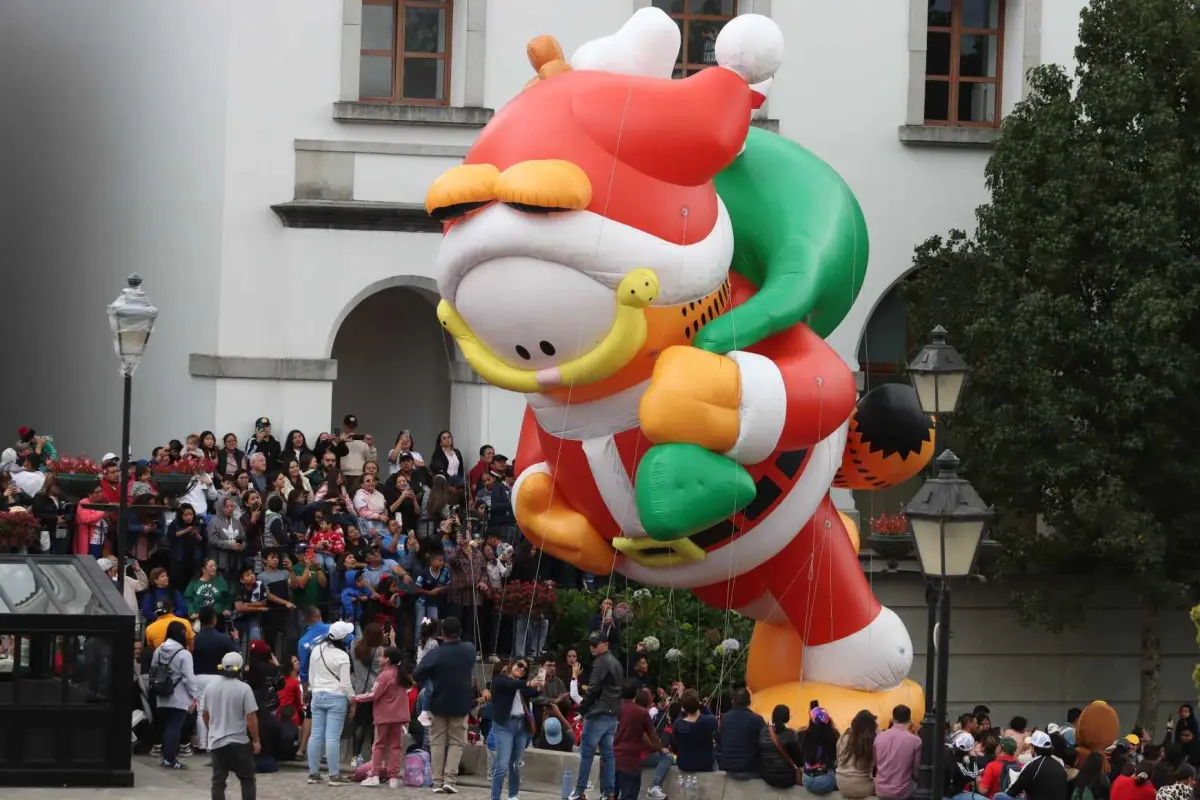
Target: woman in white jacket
329	681
138	582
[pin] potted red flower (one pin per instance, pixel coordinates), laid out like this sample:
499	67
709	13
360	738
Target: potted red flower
77	477
173	480
890	536
19	528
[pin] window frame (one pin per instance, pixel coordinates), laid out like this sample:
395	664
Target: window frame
683	67
398	54
956	31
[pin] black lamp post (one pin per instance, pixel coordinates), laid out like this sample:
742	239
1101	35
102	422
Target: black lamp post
948	519
938	374
131	318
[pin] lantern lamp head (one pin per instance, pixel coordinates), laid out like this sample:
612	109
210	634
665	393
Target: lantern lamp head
131	318
938	373
948	520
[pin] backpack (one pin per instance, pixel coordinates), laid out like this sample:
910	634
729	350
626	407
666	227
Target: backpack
418	771
162	682
1008	774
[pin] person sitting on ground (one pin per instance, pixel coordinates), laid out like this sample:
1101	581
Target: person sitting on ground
1090	782
1002	770
961	774
737	738
1135	785
779	750
695	733
819	747
1184	786
856	757
1043	778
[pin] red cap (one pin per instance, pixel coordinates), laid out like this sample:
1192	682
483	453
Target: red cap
24	432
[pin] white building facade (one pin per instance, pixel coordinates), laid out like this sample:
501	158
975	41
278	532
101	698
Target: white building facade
263	165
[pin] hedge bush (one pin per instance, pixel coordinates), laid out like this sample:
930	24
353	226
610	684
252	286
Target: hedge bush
706	661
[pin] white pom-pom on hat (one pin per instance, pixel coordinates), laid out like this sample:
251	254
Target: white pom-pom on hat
647	44
752	46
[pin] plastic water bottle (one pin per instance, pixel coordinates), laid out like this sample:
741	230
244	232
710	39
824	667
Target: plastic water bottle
691	788
568	784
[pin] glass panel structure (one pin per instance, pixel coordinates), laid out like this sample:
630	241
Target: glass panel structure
66	674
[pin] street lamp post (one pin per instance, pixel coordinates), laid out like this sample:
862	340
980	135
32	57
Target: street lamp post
131	318
938	375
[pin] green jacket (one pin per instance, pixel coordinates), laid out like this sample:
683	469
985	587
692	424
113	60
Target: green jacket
213	593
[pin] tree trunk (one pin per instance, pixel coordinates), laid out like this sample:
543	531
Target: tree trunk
1151	669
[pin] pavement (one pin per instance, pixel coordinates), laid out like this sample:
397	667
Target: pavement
152	781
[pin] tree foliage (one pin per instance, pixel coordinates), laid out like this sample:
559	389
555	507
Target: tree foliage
1076	303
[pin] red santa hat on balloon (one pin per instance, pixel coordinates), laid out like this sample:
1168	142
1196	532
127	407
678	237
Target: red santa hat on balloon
750	45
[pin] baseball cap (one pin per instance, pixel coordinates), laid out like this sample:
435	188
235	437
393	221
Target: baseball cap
1008	745
340	630
1040	740
552	731
261	422
963	741
106	563
1133	739
24	432
259	647
231	662
502	460
595	638
109	457
350	421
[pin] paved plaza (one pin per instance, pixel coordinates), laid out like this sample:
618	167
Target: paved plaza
288	784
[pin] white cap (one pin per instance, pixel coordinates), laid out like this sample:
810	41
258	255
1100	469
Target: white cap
340	630
106	563
963	741
1040	740
232	662
109	457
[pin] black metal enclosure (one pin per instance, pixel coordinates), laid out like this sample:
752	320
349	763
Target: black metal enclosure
66	674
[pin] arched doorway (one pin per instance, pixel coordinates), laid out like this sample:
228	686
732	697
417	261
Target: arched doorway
393	371
884	351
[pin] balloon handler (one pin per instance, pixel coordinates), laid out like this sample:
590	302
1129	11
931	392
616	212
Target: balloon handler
658	279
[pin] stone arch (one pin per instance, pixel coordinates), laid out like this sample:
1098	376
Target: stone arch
393	362
424	286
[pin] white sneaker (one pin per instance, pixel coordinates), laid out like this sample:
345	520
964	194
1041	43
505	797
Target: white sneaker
656	793
425	718
394	783
371	780
515	797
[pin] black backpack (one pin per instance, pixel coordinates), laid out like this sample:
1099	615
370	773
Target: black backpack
162	683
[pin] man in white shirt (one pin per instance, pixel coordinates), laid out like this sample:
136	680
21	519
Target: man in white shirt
360	449
29	479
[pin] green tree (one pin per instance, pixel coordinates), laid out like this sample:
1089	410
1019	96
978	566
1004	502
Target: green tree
1076	303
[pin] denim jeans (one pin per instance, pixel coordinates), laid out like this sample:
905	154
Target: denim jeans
529	635
511	738
328	716
598	730
661	763
249	628
821	784
329	564
977	796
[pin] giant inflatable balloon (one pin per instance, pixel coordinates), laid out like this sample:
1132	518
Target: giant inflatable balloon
657	277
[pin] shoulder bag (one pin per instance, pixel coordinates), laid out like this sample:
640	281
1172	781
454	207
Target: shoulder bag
784	753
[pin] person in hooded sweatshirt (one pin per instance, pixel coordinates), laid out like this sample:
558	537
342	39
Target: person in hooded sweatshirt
961	774
173	655
227	540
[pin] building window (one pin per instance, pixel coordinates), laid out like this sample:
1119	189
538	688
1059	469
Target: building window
699	23
405	56
964	62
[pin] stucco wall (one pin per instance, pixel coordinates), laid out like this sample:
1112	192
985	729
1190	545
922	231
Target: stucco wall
1017	669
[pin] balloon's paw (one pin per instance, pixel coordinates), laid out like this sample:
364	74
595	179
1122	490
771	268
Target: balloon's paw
684	488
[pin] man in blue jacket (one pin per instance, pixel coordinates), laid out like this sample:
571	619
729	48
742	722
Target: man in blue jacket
450	668
737	738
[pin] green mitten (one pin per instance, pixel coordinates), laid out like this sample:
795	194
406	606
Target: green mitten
682	489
